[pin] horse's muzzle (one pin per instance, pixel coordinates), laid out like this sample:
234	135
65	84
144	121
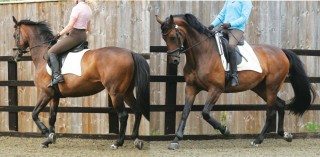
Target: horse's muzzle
175	61
17	56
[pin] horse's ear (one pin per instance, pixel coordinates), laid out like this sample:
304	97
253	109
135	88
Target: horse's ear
159	20
14	20
171	20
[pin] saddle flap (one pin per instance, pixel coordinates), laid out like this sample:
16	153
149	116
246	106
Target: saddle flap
71	63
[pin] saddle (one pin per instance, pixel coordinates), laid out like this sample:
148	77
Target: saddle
78	48
75	49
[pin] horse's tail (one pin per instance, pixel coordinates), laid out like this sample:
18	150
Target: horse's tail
142	84
303	91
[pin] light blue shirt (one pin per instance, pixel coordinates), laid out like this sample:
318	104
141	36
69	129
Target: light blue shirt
235	12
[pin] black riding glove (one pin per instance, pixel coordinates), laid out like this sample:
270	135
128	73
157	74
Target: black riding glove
211	27
56	37
226	25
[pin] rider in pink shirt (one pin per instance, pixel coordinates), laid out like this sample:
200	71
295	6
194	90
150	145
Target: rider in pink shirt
82	13
78	24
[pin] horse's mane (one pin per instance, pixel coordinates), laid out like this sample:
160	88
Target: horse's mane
43	28
192	21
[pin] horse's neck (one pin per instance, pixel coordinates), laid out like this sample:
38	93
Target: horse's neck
38	51
38	56
202	54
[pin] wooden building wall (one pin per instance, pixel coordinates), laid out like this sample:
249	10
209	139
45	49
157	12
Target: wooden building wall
131	24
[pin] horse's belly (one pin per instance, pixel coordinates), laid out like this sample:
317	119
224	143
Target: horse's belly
82	90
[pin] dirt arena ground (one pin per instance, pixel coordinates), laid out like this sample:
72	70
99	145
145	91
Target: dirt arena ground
16	146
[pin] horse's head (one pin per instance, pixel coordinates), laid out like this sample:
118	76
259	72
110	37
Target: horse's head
21	41
174	37
183	33
30	34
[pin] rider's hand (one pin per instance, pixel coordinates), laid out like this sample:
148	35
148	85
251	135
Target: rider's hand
211	27
226	25
57	36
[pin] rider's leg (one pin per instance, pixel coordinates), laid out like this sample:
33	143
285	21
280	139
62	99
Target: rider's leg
235	36
75	38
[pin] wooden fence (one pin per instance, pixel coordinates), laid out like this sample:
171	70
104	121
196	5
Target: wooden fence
170	108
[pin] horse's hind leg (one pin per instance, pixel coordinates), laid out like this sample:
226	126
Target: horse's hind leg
42	102
270	97
131	101
52	120
118	104
281	106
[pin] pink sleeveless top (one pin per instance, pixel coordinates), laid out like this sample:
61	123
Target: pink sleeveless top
82	13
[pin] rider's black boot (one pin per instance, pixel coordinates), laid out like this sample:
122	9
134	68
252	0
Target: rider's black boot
233	67
56	73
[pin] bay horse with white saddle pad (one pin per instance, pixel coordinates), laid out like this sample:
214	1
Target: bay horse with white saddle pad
115	69
204	71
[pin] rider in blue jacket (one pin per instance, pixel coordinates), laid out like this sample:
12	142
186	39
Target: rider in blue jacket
233	18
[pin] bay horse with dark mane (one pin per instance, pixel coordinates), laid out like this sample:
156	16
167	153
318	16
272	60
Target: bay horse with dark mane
115	69
204	71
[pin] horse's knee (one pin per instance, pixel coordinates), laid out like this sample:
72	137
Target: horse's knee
206	114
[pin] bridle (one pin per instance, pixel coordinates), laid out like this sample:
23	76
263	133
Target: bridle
17	40
181	49
22	50
176	52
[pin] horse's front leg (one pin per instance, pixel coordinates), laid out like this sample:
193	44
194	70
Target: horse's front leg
213	96
191	93
52	120
42	102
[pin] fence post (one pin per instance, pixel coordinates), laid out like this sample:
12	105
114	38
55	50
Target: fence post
13	96
113	119
170	101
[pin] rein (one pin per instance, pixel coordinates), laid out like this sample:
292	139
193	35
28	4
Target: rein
181	48
41	44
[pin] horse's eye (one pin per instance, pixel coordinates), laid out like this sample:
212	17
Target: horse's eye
172	38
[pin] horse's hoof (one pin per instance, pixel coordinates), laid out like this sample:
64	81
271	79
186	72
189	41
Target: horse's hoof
114	147
138	144
52	138
174	146
254	144
226	131
287	136
44	145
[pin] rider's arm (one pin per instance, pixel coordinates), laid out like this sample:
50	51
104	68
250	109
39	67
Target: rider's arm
89	27
68	27
73	18
246	10
220	18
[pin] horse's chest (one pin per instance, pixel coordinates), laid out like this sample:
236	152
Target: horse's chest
193	78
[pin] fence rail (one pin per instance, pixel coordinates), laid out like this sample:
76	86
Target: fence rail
170	108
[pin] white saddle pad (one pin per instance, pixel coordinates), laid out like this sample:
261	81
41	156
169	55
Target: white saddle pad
249	60
72	63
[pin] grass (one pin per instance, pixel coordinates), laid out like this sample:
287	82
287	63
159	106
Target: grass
312	127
